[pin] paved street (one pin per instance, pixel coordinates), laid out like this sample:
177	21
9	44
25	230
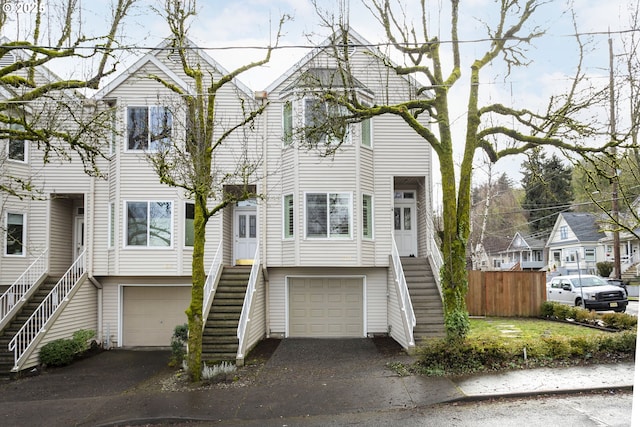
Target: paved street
632	308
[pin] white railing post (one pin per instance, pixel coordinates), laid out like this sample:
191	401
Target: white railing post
436	260
405	299
210	283
21	287
26	336
246	306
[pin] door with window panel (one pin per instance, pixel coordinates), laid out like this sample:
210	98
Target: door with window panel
404	223
246	234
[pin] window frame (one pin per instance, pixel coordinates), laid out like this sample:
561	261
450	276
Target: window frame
328	235
288	213
369	143
151	145
564	232
25	146
23	237
287	123
186	232
367	233
148	203
326	140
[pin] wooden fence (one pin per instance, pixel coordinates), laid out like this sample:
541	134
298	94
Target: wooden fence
506	293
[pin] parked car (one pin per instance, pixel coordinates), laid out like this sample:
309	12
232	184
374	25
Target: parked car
618	282
593	291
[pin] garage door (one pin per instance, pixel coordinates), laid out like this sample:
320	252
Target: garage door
151	313
325	307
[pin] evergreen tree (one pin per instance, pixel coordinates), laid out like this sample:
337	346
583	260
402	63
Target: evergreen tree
547	188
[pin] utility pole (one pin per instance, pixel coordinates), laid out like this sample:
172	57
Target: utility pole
614	182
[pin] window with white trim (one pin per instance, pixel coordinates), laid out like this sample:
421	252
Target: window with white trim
17	148
365	133
288	216
589	254
112	224
367	216
328	215
15	234
148	128
189	216
564	232
149	224
321	123
287	123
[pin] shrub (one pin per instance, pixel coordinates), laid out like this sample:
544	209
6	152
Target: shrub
217	372
546	310
178	343
60	352
619	321
604	268
63	351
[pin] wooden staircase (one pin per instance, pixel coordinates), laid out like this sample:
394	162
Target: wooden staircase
7	334
629	275
425	298
220	335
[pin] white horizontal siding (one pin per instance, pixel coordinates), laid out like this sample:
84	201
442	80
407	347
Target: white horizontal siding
376	294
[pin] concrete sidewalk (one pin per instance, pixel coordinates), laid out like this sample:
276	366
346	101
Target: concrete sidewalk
301	378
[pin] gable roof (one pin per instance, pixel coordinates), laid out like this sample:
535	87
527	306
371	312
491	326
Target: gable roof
152	57
583	225
521	241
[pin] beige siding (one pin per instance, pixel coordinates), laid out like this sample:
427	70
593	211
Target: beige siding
60	236
79	313
396	324
257	320
376	295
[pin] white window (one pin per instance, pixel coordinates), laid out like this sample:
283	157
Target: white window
148	128
288	216
287	123
112	224
17	147
15	235
367	216
564	232
328	215
189	215
149	224
589	254
365	133
320	125
114	133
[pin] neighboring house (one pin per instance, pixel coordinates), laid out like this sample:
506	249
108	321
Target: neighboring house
524	253
629	246
328	243
573	244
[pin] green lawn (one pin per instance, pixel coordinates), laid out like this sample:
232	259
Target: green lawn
514	329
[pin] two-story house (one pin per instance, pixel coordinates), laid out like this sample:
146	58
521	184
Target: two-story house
574	244
337	246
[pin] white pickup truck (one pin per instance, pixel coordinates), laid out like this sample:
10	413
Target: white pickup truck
593	291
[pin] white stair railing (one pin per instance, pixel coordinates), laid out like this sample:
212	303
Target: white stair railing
21	287
405	298
246	306
211	282
436	260
35	325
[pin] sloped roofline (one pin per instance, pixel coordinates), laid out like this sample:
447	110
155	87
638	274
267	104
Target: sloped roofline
152	58
353	34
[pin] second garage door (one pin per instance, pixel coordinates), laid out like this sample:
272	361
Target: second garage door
326	307
151	313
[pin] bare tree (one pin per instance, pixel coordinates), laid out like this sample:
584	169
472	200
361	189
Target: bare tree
497	129
39	108
188	164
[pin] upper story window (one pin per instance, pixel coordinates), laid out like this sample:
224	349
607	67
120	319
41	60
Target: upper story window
288	216
189	215
367	216
564	232
149	224
112	224
365	133
15	234
148	128
17	147
328	215
287	123
322	125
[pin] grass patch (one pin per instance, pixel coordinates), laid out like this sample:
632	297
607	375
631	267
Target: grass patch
495	344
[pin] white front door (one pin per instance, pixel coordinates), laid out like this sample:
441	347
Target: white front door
78	238
246	233
404	223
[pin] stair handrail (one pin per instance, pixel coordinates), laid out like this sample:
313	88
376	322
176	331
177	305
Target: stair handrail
211	281
437	261
22	285
401	283
35	325
248	299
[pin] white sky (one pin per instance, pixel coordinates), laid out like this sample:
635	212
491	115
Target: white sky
242	23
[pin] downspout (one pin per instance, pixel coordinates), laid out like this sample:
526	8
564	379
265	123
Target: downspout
262	97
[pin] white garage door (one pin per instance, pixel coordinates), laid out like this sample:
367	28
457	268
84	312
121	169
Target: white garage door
151	313
325	307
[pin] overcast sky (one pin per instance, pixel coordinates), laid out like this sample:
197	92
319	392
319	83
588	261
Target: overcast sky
227	28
